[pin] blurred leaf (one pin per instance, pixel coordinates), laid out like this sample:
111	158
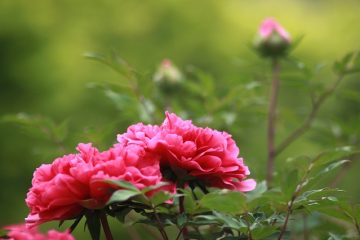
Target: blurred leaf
160	197
296	42
61	130
333	236
292	181
113	61
181	220
330	167
262	232
350	63
120	100
334	154
224	201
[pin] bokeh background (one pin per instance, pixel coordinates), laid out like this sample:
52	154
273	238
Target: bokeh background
44	75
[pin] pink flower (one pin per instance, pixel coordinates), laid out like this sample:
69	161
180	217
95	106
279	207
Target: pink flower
270	26
58	188
189	153
21	232
63	189
131	163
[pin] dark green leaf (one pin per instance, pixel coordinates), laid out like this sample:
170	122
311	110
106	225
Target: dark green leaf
262	231
120	215
181	220
160	197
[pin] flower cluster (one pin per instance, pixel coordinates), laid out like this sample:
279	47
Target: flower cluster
21	232
176	152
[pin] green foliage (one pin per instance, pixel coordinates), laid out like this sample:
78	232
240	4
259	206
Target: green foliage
216	92
348	64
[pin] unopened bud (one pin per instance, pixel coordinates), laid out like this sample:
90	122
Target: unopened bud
272	39
167	76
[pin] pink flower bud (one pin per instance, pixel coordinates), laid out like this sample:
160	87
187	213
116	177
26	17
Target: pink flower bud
272	40
270	26
167	76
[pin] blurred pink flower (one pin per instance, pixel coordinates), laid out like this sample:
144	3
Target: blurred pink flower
270	26
21	232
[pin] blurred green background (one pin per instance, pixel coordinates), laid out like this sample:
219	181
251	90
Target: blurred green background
43	73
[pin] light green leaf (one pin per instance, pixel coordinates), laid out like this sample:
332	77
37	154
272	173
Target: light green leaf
225	201
122	195
257	192
122	184
334	154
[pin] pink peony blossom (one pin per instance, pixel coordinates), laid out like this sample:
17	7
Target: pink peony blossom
58	188
21	232
63	189
131	163
190	153
270	26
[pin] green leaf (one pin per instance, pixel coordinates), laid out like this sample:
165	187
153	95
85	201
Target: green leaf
61	130
122	184
350	63
113	61
122	195
181	220
225	201
333	236
120	215
257	192
262	231
231	222
290	183
160	197
153	187
330	167
334	154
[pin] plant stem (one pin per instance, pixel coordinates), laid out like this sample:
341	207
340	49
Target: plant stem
148	228
160	225
288	213
298	132
184	229
357	227
179	234
248	228
105	225
272	120
296	193
306	231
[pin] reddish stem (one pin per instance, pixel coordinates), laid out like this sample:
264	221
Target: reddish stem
184	229
272	120
105	225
